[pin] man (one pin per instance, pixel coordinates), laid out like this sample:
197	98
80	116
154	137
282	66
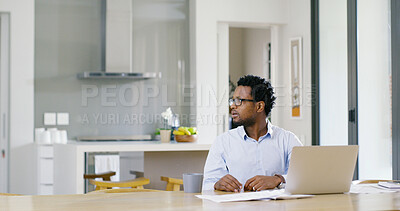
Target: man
255	155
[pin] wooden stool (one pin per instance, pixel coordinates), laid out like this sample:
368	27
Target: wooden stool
106	176
9	194
373	181
173	184
136	183
137	173
123	190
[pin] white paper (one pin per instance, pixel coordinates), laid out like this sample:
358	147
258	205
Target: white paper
260	195
285	196
369	188
390	185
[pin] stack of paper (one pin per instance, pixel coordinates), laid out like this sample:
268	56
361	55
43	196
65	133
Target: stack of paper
390	185
368	189
261	195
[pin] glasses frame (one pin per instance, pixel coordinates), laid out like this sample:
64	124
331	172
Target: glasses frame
238	101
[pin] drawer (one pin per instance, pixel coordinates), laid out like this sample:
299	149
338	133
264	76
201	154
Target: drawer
46	189
46	171
45	151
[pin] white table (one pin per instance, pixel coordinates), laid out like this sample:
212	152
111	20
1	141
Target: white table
160	159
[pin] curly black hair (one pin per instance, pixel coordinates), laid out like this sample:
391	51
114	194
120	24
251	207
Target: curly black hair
261	90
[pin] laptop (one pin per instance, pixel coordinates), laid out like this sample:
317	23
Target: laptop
321	169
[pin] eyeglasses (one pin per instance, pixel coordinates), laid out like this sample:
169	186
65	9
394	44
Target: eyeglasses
238	101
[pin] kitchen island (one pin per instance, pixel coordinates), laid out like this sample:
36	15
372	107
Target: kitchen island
160	159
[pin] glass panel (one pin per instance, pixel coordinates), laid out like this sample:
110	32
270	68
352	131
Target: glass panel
374	90
333	72
69	40
4	99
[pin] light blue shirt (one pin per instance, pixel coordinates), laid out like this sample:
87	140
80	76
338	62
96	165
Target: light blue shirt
237	154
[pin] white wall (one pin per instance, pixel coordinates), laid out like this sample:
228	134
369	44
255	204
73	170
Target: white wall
208	14
298	25
21	96
333	73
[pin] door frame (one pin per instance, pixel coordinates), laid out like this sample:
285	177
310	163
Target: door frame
315	119
4	100
395	51
352	71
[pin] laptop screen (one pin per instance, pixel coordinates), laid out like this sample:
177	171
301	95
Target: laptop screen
321	169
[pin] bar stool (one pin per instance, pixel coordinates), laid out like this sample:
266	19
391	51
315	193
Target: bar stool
373	181
173	184
106	176
136	183
10	194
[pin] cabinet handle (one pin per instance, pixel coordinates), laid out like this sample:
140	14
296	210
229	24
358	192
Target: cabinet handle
352	115
44	158
4	126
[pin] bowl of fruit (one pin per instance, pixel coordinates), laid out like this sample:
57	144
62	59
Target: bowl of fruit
185	134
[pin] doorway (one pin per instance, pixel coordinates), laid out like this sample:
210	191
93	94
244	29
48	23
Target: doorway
249	53
243	48
4	99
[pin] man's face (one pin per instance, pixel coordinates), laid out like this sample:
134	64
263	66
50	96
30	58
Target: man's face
244	114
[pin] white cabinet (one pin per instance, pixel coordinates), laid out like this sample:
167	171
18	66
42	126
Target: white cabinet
45	169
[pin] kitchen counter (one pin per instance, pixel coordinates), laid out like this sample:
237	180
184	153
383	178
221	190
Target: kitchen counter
136	146
160	159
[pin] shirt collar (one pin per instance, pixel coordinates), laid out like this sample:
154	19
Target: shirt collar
270	131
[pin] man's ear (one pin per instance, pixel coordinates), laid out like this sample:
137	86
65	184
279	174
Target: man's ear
260	106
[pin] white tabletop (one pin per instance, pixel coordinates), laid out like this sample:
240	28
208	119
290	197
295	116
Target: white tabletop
132	146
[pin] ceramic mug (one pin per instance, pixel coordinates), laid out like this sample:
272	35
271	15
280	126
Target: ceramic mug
192	182
165	136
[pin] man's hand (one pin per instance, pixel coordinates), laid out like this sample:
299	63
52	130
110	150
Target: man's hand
259	182
228	183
